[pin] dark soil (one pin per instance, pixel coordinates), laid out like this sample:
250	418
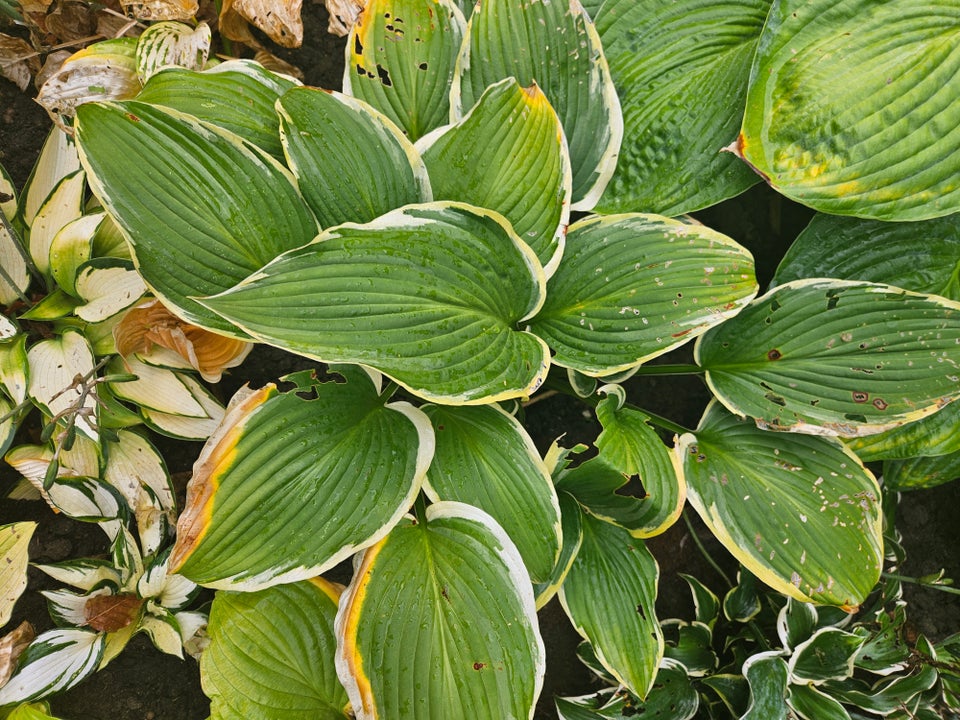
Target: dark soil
143	684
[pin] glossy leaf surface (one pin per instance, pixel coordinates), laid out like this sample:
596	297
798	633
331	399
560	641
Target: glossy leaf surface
921	472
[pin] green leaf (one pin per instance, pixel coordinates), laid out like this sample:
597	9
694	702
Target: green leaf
556	46
799	511
508	154
288	487
742	603
429	295
237	95
485	458
672	696
851	106
847	248
828	655
796	622
767	674
812	704
609	596
439	623
572	535
633	287
271	654
352	163
932	435
706	605
681	70
55	661
921	472
14	540
835	357
689	645
170	182
400	59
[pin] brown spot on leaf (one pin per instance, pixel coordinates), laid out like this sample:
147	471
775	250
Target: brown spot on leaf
860	397
774	354
479	666
880	404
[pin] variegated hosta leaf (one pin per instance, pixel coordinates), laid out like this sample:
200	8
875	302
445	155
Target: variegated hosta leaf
799	511
14	539
572	535
767	674
847	248
629	448
15	279
55	661
133	462
632	287
609	596
70	248
485	458
836	357
81	460
58	159
439	623
353	164
108	286
8	195
55	365
89	500
810	703
288	487
556	46
63	206
9	423
84	573
170	181
850	105
155	388
279	19
237	95
606	704
183	427
271	654
932	435
429	295
681	70
829	654
400	59
13	367
103	71
921	472
508	154
172	43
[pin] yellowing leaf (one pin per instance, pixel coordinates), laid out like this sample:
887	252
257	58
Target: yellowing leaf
14	540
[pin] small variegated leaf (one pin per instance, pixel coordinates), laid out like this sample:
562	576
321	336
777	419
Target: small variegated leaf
55	366
768	677
103	71
133	462
155	389
572	534
829	654
172	43
15	278
58	159
14	540
85	573
55	661
13	368
181	426
64	205
164	631
108	286
71	247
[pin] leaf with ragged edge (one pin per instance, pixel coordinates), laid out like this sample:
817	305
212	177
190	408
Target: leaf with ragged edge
439	623
14	540
288	487
681	70
508	154
921	472
632	287
353	164
170	182
485	458
55	661
556	46
429	295
172	43
237	95
629	448
54	365
400	58
835	357
851	106
799	511
609	596
767	674
271	654
921	256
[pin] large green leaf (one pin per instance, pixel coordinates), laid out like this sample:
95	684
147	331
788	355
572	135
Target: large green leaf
632	287
485	458
429	295
439	624
400	58
932	435
556	46
609	596
799	511
271	654
238	95
173	184
920	256
681	69
288	486
508	155
921	472
836	357
353	164
853	106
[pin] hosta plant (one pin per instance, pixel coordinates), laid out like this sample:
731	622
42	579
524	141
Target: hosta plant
424	234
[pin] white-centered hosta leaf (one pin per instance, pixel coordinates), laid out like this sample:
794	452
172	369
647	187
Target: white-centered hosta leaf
15	278
102	71
71	247
14	541
681	70
609	596
88	499
172	43
556	46
155	388
108	286
8	195
55	661
171	183
400	58
58	367
439	623
801	512
853	106
485	458
9	424
836	357
271	654
353	164
632	287
429	295
84	573
288	487
133	462
183	427
508	154
58	159
64	205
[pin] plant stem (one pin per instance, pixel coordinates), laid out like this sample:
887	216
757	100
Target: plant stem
663	422
703	550
679	369
919	581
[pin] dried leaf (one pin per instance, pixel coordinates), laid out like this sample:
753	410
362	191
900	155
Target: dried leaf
72	21
18	61
11	645
87	76
161	9
51	66
109	613
111	25
234	27
274	64
343	15
279	19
